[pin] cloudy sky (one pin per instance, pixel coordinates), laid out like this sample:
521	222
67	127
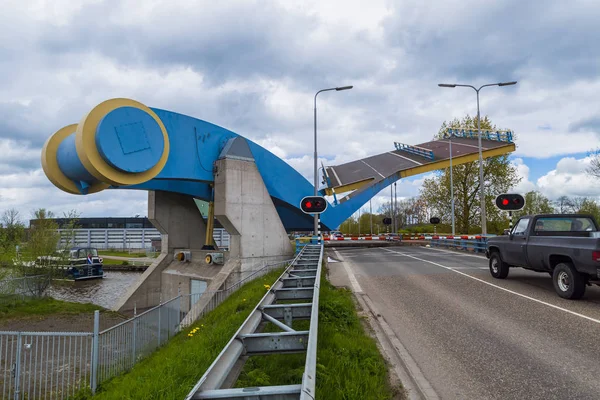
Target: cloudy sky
254	66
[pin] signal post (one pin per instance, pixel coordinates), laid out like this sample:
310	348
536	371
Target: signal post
314	205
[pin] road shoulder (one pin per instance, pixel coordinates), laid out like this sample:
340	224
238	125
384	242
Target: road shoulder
404	368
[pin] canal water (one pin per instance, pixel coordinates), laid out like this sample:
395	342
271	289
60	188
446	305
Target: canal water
104	292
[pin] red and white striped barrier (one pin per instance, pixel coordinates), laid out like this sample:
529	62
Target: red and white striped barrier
355	238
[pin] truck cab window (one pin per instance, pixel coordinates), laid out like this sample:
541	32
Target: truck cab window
521	227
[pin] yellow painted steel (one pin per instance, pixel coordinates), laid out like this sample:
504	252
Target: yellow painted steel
210	223
85	141
51	168
421	169
349	187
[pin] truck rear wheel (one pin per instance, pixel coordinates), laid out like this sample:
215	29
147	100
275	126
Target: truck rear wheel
568	283
498	268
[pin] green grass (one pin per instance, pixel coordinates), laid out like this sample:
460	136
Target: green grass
16	308
172	371
107	261
349	365
120	254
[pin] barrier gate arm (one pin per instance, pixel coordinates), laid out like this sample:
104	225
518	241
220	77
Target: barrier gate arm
301	281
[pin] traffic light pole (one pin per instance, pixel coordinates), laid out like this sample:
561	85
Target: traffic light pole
319	237
510	220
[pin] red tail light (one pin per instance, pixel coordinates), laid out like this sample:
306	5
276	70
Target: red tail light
595	255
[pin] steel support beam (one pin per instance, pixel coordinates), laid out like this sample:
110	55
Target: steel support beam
294	294
262	392
299	311
298	282
304	272
278	342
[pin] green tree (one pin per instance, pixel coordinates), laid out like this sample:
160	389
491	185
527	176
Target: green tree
13	227
589	206
499	176
67	231
535	203
564	205
39	257
594	168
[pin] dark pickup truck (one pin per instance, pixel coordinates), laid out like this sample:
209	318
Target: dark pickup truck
567	246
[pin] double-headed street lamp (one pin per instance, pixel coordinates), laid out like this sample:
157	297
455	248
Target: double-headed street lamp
316	182
481	181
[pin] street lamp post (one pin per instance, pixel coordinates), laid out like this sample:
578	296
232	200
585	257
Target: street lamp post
451	187
316	216
481	181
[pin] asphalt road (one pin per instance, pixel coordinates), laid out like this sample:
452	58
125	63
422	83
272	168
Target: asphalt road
476	337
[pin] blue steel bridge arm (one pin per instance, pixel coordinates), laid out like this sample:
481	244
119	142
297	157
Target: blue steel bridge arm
122	144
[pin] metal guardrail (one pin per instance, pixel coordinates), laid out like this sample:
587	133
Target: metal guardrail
419	151
498	136
477	245
300	281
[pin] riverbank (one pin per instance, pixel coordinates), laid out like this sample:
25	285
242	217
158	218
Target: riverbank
51	315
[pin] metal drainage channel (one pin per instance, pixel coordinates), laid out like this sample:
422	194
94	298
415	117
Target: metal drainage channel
300	281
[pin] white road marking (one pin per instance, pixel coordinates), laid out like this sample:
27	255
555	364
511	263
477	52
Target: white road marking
457	254
336	176
501	288
380	174
355	285
406	158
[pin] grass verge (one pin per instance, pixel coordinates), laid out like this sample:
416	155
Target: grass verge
172	371
349	364
11	307
120	254
108	261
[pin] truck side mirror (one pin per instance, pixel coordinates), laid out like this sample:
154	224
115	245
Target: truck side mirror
506	232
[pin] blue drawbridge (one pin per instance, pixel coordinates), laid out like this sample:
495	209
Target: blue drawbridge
123	144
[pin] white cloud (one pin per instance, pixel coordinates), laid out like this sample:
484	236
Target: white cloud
569	179
524	185
254	67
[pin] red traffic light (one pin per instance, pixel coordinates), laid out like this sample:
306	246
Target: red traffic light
510	202
313	205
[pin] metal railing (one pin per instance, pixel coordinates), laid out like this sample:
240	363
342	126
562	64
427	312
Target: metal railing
300	281
124	238
416	150
42	365
56	365
499	135
123	345
214	298
476	245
